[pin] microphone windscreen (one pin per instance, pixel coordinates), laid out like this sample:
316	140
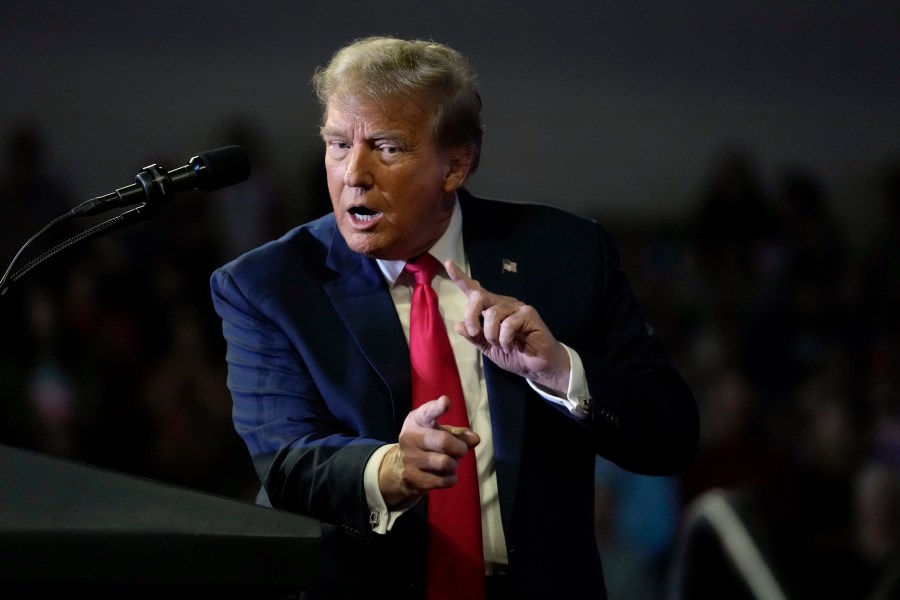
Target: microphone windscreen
223	167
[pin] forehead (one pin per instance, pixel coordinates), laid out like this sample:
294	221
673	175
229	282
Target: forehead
368	116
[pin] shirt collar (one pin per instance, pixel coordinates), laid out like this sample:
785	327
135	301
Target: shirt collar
449	245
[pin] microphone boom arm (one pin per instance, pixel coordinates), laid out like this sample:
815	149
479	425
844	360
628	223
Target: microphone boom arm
129	217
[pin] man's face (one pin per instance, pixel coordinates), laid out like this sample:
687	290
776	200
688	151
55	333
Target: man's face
391	186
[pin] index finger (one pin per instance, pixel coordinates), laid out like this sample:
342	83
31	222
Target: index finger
465	283
475	300
471	438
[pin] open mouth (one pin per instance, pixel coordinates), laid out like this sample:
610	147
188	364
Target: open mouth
362	214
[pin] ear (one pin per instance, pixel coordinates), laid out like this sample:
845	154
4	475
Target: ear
459	163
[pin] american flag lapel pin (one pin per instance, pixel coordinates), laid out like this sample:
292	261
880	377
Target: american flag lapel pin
508	266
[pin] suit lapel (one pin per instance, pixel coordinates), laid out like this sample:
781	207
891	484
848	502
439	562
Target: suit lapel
357	292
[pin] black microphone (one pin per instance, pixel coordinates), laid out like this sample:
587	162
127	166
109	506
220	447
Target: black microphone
208	171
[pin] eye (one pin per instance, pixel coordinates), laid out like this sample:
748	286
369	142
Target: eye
336	147
389	149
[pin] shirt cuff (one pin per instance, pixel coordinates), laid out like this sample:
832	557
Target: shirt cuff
578	397
381	519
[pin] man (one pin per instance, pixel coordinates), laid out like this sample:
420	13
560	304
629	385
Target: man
556	361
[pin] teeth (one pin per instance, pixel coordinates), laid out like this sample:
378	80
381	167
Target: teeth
360	217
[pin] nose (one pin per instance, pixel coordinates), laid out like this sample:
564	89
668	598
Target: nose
358	172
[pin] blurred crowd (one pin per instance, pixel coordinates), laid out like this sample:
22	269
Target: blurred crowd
788	335
112	355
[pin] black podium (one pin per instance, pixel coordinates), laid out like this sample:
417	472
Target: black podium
65	524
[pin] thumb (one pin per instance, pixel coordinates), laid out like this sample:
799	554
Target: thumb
428	414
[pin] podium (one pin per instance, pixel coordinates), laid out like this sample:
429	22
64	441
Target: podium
65	524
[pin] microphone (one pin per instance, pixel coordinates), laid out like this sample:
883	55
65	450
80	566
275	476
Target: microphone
208	171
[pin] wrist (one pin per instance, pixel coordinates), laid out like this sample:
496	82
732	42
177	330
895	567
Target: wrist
395	494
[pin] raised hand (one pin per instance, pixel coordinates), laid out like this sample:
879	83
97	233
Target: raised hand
511	334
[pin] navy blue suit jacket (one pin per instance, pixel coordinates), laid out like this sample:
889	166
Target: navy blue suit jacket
318	368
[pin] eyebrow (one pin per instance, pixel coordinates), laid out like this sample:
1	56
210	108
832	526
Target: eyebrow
388	134
332	131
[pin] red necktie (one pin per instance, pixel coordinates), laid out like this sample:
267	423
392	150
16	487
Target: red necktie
455	554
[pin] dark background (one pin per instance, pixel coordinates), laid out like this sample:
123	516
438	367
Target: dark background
744	155
610	108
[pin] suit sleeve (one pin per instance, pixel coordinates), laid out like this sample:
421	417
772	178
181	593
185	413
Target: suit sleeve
644	414
308	461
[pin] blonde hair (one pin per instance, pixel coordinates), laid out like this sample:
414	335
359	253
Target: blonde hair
385	68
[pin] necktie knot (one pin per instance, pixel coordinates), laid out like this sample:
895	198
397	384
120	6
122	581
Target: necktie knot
424	268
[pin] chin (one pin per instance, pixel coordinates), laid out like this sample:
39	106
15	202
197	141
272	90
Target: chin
376	245
363	243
